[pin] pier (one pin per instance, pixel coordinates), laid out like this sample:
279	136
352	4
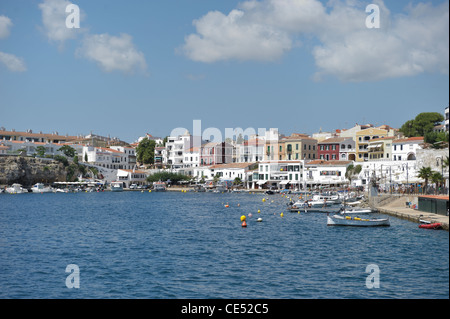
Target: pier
397	207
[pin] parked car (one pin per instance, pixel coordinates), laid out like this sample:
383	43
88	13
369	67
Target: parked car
133	186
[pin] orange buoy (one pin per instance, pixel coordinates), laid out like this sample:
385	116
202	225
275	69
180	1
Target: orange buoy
244	224
227	205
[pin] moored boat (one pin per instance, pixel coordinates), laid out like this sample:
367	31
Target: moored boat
16	189
40	188
116	186
159	186
338	220
431	226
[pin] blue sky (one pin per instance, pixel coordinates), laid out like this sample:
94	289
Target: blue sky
151	66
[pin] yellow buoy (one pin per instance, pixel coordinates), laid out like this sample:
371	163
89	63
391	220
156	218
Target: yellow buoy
243	218
281	214
149	190
259	211
263	200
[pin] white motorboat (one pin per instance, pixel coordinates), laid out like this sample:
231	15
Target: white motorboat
116	186
40	188
312	206
339	220
16	189
356	211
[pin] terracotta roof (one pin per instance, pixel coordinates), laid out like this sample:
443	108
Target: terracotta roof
231	165
25	134
335	140
382	138
328	163
418	139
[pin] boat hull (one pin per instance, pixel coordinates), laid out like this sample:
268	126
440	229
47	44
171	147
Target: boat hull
356	222
431	226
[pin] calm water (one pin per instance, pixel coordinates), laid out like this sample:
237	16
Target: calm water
188	245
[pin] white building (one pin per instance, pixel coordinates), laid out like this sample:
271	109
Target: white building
250	151
326	173
176	146
279	174
106	158
227	173
131	176
406	149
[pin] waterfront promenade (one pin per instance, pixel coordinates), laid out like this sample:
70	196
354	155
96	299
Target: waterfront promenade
398	209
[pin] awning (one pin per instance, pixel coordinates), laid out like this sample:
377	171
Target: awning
375	145
261	182
284	182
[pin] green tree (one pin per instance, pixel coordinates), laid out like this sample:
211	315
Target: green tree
237	181
40	151
437	178
351	171
425	173
145	151
68	151
164	176
437	139
422	124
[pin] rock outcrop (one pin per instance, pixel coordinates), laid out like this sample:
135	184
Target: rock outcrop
28	171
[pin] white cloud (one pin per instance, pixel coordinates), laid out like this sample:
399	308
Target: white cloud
5	25
405	45
12	62
54	21
233	36
112	53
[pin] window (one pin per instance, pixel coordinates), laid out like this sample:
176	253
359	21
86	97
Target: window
333	147
343	146
321	147
296	147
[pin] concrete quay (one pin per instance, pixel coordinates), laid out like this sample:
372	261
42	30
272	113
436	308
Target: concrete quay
398	209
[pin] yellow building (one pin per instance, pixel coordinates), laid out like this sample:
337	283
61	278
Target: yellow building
380	148
363	139
297	147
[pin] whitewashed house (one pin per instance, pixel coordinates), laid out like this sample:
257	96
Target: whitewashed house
406	149
131	176
326	173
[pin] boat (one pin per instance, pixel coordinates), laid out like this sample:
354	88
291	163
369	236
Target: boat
116	186
159	186
40	188
355	211
16	189
312	206
431	226
339	220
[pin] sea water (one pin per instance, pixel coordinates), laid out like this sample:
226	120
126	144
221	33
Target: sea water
189	245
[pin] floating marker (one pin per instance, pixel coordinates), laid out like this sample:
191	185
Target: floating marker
259	219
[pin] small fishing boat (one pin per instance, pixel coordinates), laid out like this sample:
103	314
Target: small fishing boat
338	220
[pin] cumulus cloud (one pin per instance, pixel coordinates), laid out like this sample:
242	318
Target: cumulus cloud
406	44
12	62
112	53
5	25
54	21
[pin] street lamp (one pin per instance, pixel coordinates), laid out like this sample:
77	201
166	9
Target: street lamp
407	177
440	159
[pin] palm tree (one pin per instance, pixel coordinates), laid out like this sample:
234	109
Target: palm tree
437	178
425	173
